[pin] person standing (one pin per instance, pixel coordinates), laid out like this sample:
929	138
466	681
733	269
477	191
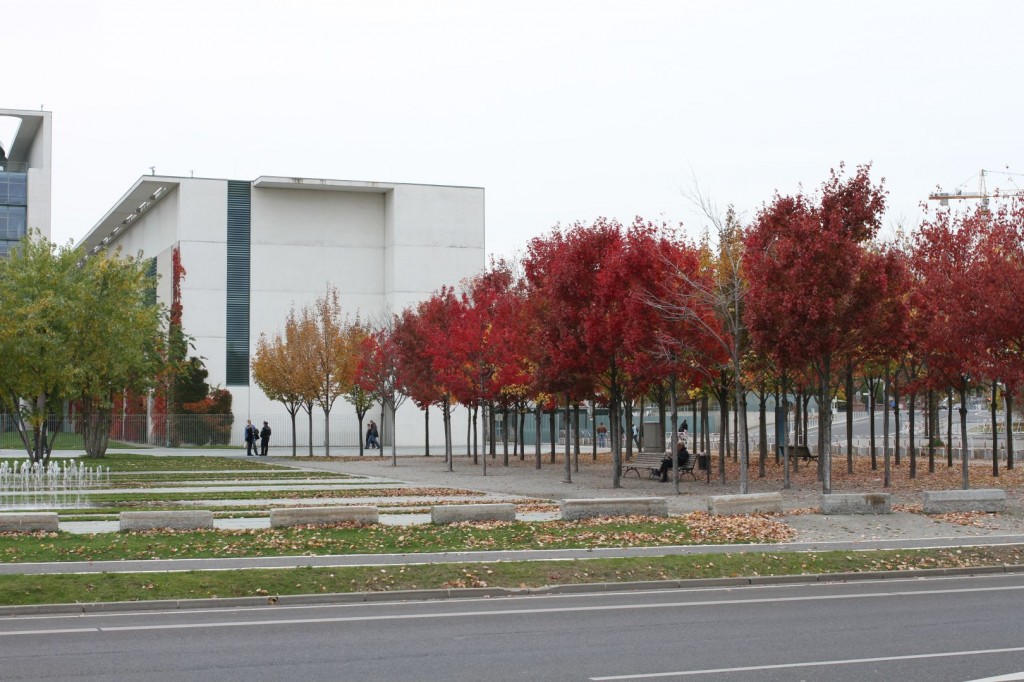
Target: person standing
251	434
373	436
264	439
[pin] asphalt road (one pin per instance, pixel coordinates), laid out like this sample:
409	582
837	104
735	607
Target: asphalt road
936	629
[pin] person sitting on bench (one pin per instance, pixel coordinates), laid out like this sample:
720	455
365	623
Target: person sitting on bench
682	455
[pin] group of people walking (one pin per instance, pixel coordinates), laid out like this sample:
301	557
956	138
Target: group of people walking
372	436
257	440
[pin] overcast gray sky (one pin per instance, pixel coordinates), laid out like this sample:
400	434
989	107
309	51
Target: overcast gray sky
563	111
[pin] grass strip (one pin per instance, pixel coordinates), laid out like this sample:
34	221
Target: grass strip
309	493
65	440
132	479
88	588
696	528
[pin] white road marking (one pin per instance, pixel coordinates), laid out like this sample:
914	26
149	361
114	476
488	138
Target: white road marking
508	612
815	664
1012	677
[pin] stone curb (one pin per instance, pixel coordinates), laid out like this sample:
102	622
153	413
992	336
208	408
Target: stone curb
478	592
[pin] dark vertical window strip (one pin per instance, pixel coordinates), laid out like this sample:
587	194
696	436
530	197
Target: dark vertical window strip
239	233
150	295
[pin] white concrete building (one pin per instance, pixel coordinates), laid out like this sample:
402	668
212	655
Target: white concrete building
254	250
25	176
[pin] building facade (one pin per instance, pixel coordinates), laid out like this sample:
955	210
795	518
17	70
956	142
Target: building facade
25	176
254	250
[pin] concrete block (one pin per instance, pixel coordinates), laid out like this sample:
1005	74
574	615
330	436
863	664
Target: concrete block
26	522
192	519
453	513
322	516
614	506
981	499
754	503
856	503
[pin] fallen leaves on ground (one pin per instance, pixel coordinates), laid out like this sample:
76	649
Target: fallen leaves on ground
972	519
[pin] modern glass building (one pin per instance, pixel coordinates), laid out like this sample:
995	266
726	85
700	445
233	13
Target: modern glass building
25	138
13	206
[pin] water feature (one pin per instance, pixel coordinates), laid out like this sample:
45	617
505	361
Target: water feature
28	485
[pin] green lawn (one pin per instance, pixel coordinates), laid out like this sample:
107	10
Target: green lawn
10	440
103	587
354	539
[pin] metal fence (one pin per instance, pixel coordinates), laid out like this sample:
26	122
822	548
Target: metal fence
189	430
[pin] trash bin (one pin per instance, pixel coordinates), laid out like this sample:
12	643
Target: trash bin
702	462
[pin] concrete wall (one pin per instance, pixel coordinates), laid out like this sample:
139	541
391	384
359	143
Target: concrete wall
384	247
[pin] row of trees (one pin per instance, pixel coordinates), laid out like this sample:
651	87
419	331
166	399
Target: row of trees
313	363
802	300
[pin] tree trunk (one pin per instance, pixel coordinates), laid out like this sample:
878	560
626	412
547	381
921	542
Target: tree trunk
887	467
785	440
552	433
446	415
949	428
295	435
965	455
426	432
723	433
696	429
995	431
736	431
849	419
521	439
784	421
931	431
896	421
536	445
762	432
1009	426
743	437
504	436
825	429
910	429
473	411
567	478
797	425
576	438
96	431
593	431
309	413
615	410
872	385
492	442
327	432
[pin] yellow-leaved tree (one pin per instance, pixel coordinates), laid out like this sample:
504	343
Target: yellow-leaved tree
282	368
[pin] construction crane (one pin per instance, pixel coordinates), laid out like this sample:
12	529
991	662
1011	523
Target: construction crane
982	194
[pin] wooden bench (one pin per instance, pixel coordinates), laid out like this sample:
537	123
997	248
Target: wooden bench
644	460
652	462
801	451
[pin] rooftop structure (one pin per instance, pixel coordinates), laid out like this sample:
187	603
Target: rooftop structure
24	175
